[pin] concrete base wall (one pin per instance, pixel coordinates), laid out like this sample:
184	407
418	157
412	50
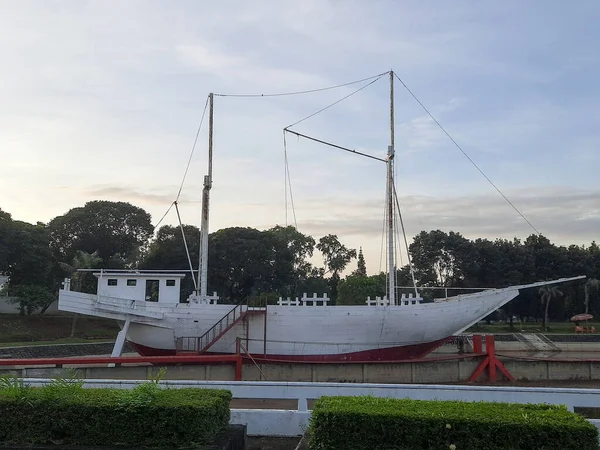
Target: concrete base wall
421	372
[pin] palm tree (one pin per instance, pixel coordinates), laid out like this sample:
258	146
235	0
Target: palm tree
548	293
82	260
591	285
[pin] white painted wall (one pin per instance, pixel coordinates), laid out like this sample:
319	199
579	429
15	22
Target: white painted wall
123	289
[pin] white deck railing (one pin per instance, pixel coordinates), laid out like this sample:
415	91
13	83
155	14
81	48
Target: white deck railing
278	422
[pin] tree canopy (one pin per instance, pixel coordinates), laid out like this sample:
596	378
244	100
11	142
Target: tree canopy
279	261
118	231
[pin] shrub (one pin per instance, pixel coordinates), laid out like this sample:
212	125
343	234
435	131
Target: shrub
147	416
384	423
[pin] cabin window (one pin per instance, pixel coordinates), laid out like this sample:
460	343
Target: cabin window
131	282
170	282
112	281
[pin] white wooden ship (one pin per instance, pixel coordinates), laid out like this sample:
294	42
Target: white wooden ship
154	321
307	330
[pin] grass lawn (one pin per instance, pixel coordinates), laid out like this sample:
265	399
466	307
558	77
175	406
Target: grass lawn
531	327
54	342
54	328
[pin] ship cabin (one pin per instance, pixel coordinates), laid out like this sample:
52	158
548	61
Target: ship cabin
163	288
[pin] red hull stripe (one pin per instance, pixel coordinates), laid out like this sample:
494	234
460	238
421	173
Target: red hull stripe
391	354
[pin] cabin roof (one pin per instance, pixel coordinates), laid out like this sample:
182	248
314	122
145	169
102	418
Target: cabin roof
132	275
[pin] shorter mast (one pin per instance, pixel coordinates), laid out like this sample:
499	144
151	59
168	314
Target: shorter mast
203	272
390	201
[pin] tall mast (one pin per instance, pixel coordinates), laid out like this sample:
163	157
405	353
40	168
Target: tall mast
203	273
390	195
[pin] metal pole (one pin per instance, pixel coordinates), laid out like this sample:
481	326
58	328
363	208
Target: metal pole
390	194
392	109
203	274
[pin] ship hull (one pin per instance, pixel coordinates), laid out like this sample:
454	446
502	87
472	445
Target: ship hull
297	333
402	353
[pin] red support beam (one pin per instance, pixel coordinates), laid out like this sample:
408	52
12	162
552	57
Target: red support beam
178	359
238	367
490	362
477	343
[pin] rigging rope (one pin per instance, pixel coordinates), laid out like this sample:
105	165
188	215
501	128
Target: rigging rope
187	167
193	149
310	91
335	103
164	215
412	272
466	155
382	248
187	252
288	182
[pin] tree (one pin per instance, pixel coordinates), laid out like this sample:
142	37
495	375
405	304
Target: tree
167	252
361	267
591	285
6	230
441	258
292	251
29	258
548	293
354	289
31	297
240	263
116	230
336	255
546	256
83	281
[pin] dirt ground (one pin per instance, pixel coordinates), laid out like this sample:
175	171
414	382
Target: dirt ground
269	443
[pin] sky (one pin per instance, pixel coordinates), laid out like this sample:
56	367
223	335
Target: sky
102	100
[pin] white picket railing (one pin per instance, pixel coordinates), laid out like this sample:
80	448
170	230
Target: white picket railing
277	422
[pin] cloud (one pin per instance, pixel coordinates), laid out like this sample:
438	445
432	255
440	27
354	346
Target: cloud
563	214
103	98
119	193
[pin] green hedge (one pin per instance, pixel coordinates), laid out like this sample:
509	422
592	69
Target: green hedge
382	423
143	417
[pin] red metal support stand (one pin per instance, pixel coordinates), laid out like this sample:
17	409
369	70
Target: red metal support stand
478	343
491	361
238	367
239	361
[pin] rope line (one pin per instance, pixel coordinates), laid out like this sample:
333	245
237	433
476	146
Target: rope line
334	103
288	182
187	251
164	215
410	264
193	149
187	167
310	91
466	155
